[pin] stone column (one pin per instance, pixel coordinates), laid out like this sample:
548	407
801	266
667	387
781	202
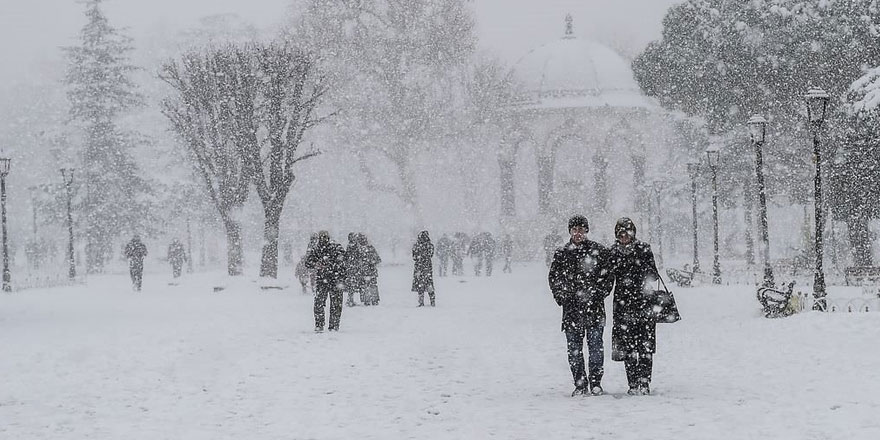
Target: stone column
545	182
507	165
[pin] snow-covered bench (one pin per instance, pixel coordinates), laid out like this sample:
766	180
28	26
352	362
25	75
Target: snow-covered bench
862	275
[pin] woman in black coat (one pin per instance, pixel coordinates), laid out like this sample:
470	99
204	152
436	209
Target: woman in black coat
423	268
633	333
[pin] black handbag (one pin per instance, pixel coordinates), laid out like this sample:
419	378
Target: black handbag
662	307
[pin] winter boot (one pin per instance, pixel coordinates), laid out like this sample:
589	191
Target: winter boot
644	387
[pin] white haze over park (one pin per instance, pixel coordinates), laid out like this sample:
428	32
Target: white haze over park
180	360
33	30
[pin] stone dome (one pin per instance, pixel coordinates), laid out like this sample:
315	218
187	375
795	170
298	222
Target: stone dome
577	73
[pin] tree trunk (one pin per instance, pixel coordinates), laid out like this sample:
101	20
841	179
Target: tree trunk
860	239
409	193
234	254
269	261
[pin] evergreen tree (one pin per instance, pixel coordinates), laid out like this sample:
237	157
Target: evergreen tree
855	170
725	60
100	91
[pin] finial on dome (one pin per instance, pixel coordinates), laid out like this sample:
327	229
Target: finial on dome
569	26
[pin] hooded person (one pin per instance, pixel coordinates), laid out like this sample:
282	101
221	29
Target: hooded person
423	268
354	280
327	259
633	331
580	281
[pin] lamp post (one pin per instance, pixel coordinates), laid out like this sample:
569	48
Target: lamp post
817	103
189	248
713	153
4	171
693	167
658	192
67	175
758	133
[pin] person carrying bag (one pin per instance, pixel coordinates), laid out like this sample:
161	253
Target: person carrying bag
637	307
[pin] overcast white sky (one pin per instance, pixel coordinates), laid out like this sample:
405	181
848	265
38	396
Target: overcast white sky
32	30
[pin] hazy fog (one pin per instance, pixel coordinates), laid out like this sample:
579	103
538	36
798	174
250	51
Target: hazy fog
31	31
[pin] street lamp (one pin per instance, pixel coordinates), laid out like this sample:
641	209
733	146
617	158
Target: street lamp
817	104
67	175
758	131
713	153
658	193
4	171
693	167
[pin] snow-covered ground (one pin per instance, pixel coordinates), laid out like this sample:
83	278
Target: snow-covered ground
183	362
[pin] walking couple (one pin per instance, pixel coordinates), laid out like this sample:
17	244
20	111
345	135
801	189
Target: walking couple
582	274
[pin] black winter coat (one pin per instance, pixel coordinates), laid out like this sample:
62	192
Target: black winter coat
423	268
634	270
579	281
370	261
328	261
354	279
135	251
444	247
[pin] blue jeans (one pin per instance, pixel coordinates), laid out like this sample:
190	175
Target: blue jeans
575	339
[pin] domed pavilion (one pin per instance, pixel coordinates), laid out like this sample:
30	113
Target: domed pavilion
581	120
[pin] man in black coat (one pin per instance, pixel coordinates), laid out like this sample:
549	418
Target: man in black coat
176	256
135	251
482	249
327	259
580	281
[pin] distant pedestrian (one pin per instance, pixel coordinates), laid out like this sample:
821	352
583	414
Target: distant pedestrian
460	242
176	256
482	250
302	274
328	260
136	251
551	242
507	252
633	333
369	270
444	252
423	268
354	280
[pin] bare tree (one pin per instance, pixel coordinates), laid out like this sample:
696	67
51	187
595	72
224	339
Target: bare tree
290	87
210	87
243	112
